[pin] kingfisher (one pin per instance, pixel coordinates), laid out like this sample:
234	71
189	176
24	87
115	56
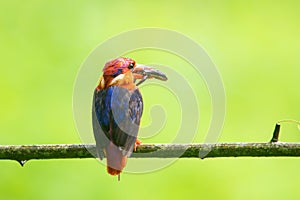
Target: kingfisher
117	110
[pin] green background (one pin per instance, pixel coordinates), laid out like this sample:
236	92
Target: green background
255	45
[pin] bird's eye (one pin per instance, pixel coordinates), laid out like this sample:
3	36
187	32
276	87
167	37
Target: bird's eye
131	65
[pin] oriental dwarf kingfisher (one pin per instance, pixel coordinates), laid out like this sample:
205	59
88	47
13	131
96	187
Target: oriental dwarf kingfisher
117	110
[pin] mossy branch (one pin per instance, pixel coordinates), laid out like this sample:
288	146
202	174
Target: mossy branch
23	153
59	151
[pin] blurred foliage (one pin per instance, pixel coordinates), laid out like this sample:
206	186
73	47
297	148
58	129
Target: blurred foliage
255	45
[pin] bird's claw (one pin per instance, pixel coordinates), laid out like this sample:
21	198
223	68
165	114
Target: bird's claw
137	143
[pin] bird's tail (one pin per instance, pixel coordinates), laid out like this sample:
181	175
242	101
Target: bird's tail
113	171
116	161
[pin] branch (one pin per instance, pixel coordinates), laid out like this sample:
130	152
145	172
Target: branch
23	153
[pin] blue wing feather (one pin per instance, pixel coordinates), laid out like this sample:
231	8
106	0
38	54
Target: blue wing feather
118	112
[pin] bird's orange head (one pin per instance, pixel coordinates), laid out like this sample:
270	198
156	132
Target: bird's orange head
118	66
118	72
123	72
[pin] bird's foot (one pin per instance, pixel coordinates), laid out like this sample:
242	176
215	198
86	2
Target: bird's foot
137	143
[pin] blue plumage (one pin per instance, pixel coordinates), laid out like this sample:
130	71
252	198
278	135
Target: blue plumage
118	113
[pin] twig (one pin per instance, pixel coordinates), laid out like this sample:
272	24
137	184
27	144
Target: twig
24	153
276	133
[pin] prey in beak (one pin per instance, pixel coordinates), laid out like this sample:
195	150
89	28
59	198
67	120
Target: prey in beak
145	72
